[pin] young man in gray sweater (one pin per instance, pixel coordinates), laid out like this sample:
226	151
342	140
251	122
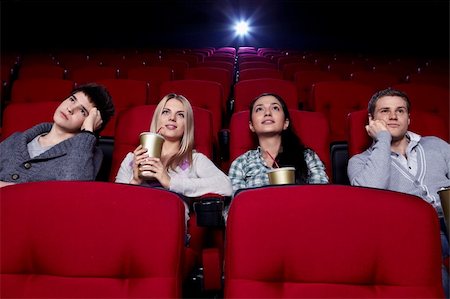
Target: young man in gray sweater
401	160
63	150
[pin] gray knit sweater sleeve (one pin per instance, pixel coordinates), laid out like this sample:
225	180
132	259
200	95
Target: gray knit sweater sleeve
371	168
76	158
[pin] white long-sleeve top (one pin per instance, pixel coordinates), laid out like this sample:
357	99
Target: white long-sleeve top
194	180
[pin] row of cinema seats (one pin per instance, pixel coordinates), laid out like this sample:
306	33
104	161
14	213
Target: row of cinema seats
333	98
105	240
132	121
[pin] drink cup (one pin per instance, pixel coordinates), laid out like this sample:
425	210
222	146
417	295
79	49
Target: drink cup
153	142
444	196
281	176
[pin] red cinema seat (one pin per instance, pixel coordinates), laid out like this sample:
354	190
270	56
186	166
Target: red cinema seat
125	93
246	91
428	97
304	81
41	71
219	75
72	239
336	99
19	117
154	76
259	73
92	73
242	140
422	123
331	241
41	90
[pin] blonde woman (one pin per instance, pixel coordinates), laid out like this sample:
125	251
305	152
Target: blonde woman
180	169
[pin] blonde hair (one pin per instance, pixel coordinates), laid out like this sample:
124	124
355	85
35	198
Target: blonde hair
187	141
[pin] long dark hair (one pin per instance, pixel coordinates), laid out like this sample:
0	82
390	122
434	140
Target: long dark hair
292	148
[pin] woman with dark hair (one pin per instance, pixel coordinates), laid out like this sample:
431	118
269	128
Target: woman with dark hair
278	146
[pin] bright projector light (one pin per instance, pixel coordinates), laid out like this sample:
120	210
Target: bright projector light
241	28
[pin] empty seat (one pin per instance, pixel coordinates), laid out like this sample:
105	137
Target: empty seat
41	90
289	69
125	93
94	73
219	75
336	99
154	76
41	71
259	73
304	81
95	241
256	64
331	241
179	67
379	80
246	91
427	97
242	140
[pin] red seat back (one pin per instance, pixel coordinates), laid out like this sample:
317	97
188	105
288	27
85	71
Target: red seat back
246	91
90	240
134	121
125	93
428	97
336	99
154	76
41	90
14	119
331	241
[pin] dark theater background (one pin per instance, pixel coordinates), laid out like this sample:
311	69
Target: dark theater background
325	58
402	27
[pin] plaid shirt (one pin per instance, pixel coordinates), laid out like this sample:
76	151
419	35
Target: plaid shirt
250	170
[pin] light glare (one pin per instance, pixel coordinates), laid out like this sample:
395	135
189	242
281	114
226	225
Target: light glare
241	28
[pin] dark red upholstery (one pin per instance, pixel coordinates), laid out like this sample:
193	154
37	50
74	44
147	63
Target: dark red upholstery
90	240
428	97
242	140
136	120
125	93
154	76
423	123
246	91
331	241
259	73
215	74
338	98
19	117
41	71
40	90
304	81
92	73
378	80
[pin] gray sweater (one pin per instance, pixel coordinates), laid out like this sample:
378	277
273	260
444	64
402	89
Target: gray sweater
76	158
376	168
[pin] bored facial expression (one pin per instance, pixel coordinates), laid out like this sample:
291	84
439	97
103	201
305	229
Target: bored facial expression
394	112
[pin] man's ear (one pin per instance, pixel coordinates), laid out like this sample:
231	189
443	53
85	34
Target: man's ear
286	124
409	119
250	125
